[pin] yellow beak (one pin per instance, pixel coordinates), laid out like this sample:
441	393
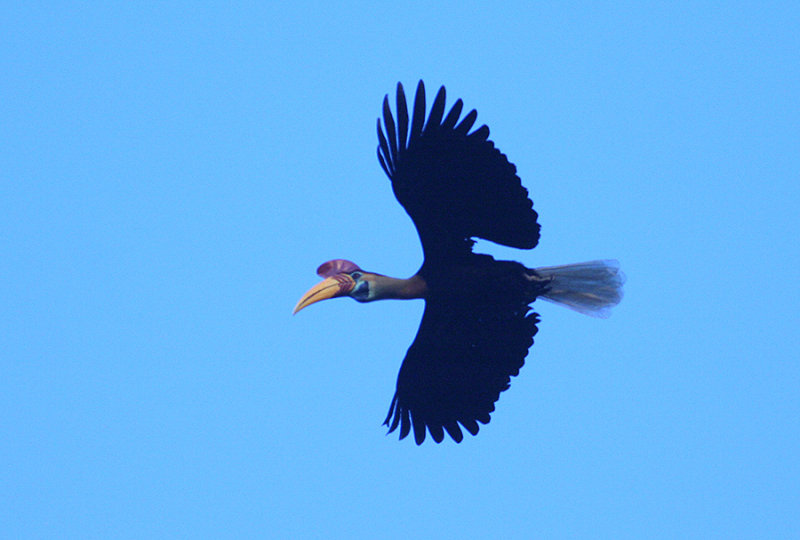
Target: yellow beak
338	285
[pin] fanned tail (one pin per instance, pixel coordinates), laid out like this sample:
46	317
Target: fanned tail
591	288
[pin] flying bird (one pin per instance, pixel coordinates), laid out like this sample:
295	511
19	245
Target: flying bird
477	325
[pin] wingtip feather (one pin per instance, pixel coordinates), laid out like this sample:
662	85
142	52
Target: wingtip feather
437	110
402	118
391	132
467	122
418	118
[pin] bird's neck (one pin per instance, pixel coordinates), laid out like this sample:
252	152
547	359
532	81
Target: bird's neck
399	289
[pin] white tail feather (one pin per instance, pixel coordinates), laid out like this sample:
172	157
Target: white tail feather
592	288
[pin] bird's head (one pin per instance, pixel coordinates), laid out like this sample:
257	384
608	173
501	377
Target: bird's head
342	278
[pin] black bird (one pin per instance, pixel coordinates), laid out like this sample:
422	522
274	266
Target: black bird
477	325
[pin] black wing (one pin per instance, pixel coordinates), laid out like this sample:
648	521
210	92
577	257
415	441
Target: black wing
454	184
464	354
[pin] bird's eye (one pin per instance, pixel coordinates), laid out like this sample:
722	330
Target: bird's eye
355	275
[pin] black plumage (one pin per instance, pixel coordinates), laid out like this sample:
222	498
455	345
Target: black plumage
476	328
477	325
453	183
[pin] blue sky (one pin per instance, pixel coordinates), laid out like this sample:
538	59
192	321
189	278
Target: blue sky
171	175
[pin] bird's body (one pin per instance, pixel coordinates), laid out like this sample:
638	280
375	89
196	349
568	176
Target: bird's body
477	325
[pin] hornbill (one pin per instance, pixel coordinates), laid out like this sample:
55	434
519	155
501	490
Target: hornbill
477	325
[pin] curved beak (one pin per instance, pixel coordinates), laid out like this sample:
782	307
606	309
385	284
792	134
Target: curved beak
338	285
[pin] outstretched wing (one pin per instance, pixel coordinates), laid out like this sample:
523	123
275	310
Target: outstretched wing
462	358
452	182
